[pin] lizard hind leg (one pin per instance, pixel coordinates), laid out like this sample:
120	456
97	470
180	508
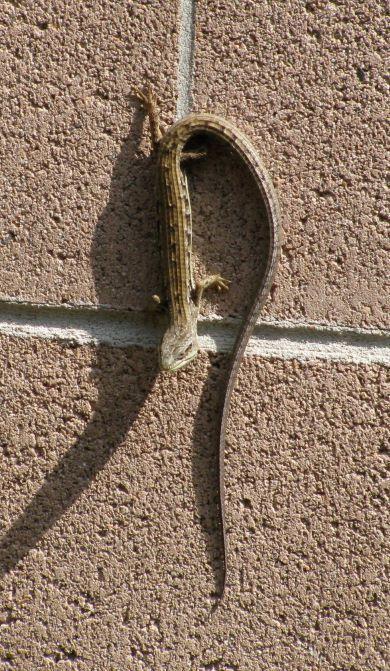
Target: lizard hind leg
209	282
148	100
195	148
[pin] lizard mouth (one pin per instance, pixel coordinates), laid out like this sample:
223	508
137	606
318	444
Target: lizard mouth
171	364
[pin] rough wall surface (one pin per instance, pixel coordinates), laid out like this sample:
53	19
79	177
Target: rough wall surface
304	80
78	223
110	553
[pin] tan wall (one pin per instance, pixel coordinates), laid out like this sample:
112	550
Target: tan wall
110	555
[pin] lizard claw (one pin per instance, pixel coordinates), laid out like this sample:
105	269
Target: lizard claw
221	283
216	282
148	99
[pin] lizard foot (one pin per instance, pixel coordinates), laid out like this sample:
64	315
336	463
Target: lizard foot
148	101
157	304
148	98
210	282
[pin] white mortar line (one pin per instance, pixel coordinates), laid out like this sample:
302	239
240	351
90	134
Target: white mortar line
186	57
271	339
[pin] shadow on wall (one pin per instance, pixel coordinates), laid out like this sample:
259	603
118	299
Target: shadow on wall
118	402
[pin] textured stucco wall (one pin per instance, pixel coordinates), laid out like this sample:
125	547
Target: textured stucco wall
110	555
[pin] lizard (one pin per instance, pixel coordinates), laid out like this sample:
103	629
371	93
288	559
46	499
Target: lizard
180	344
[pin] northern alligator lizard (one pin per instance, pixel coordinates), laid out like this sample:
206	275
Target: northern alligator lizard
183	295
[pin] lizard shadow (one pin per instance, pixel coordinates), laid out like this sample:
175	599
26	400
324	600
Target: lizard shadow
126	225
123	377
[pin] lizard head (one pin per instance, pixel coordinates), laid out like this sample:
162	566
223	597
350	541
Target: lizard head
178	347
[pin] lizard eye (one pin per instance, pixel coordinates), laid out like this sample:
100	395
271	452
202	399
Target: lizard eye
187	349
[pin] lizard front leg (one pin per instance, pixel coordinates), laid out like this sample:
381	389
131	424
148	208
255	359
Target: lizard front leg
209	282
